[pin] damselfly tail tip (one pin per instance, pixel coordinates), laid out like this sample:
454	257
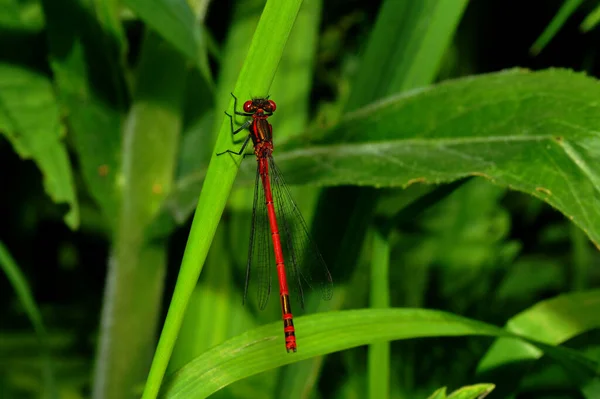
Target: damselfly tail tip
290	345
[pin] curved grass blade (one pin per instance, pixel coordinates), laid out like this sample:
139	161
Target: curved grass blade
259	350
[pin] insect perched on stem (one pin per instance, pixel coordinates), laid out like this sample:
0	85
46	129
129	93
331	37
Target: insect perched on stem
274	207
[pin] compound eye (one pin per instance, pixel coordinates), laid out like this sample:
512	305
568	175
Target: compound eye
248	106
273	105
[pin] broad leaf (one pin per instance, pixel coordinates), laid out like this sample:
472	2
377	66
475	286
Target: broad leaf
533	132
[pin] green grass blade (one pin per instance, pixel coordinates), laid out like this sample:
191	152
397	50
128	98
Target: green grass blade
379	353
427	46
567	9
30	120
255	79
173	20
23	291
292	85
591	20
176	22
213	298
19	283
107	12
406	48
246	15
260	349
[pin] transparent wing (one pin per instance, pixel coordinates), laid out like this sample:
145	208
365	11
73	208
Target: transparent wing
304	263
260	250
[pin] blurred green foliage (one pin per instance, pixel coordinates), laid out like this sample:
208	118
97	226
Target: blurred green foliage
445	153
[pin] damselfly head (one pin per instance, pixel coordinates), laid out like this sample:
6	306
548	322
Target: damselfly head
260	105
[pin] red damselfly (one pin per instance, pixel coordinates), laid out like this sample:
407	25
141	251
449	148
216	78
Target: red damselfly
274	207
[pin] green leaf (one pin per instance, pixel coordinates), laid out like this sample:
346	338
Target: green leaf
172	19
379	354
438	394
553	322
262	349
567	9
527	131
531	132
478	391
182	200
85	62
107	12
406	47
175	21
30	119
21	15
